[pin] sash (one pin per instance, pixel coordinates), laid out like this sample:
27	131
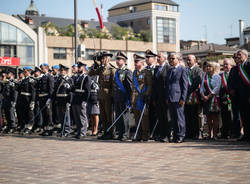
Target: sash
224	80
244	75
121	87
214	105
193	97
139	103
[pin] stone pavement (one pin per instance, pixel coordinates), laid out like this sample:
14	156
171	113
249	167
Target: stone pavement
38	160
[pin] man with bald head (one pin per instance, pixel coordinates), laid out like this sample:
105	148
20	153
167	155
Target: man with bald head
194	130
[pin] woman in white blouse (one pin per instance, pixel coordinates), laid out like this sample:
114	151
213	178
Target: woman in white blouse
210	88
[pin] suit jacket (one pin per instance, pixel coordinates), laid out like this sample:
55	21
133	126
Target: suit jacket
176	84
159	83
243	89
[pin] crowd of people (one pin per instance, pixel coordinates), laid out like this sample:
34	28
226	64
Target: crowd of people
169	99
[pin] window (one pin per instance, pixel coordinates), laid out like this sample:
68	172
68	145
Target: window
60	53
173	8
166	30
89	54
26	55
148	21
160	7
132	9
8	50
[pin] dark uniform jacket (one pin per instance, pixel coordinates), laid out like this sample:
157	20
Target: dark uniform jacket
125	76
26	89
94	89
9	91
159	83
63	87
81	89
46	85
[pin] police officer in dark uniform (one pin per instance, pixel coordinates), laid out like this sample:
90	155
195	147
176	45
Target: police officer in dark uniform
38	122
19	104
45	89
122	93
9	102
150	60
27	93
63	98
159	96
81	92
1	97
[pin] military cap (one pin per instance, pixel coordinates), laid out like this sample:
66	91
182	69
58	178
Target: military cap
43	64
62	67
20	70
27	68
74	65
80	64
37	69
149	53
121	55
56	67
138	58
106	54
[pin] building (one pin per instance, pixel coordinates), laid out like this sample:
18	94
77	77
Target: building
161	17
23	37
186	45
210	51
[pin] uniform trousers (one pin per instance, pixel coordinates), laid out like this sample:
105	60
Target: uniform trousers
192	120
79	112
9	112
63	116
46	113
106	113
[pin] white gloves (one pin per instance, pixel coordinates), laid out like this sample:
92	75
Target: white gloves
66	85
68	106
32	106
13	104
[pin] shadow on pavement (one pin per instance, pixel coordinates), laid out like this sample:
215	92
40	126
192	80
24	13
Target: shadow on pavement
223	145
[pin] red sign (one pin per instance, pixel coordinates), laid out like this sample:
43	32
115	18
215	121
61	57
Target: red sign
9	61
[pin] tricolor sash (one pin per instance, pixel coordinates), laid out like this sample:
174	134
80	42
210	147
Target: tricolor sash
193	97
224	80
245	77
139	102
121	87
214	105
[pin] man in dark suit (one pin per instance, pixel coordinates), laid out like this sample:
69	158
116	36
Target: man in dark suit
192	105
176	94
159	97
232	86
244	91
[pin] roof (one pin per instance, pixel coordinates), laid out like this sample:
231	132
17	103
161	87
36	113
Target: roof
138	2
63	22
209	48
232	38
32	7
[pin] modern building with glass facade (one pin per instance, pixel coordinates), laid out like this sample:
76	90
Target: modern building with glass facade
159	16
19	40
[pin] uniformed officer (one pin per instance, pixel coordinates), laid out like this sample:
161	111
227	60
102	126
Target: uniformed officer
106	73
9	102
45	89
19	104
142	86
27	94
1	96
150	60
122	93
81	93
38	122
63	98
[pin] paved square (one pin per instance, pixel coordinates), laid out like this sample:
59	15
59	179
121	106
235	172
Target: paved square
34	159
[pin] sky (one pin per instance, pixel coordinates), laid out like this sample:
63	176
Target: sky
200	19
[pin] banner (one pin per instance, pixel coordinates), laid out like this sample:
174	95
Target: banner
9	61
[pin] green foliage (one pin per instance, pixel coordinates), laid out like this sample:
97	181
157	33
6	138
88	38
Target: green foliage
146	35
67	31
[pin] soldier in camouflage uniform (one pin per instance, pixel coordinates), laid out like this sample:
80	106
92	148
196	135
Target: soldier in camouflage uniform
106	73
142	86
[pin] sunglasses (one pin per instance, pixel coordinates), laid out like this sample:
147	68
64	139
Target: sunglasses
172	58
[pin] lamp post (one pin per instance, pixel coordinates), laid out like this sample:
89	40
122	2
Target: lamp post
75	26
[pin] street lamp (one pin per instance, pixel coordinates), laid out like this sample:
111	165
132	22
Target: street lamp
76	33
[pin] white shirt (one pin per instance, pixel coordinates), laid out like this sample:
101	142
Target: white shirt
215	84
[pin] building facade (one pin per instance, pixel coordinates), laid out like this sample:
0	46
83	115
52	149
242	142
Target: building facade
161	17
